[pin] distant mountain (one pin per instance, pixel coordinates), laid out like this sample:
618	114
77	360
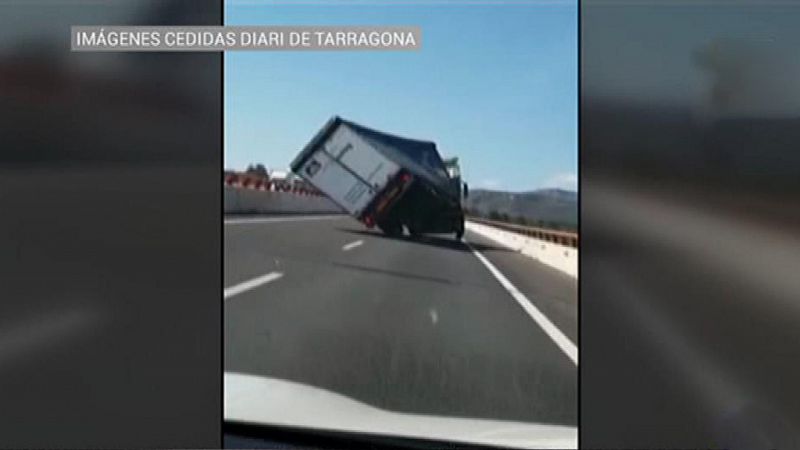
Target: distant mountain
547	207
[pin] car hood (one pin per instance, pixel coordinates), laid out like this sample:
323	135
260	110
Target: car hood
271	401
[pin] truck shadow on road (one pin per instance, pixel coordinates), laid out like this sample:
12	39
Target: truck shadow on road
448	243
396	273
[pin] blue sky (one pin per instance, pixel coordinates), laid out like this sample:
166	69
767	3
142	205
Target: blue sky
495	85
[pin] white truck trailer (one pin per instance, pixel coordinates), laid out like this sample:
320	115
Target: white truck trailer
383	180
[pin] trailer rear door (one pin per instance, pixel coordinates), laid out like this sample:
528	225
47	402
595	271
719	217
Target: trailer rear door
348	170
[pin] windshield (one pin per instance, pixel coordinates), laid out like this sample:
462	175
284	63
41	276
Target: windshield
426	318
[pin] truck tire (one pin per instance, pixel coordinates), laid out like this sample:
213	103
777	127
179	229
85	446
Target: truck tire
460	230
391	228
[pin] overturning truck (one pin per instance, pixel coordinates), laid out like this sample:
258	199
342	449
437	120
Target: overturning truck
384	180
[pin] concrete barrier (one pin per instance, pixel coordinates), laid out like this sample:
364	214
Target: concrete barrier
561	257
255	201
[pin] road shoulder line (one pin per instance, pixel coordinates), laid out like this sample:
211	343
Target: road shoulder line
560	339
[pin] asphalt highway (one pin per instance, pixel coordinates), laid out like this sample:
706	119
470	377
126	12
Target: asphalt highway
410	325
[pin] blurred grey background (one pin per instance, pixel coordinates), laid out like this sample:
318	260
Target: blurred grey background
690	256
110	232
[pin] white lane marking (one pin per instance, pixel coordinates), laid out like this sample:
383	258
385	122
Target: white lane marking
561	340
250	284
282	219
352	245
434	316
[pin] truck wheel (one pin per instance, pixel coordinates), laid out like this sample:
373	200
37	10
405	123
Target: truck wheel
391	228
460	230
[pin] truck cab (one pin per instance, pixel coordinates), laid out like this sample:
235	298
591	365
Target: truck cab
454	173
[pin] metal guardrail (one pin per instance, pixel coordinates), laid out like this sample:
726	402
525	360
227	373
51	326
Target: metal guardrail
557	237
256	182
